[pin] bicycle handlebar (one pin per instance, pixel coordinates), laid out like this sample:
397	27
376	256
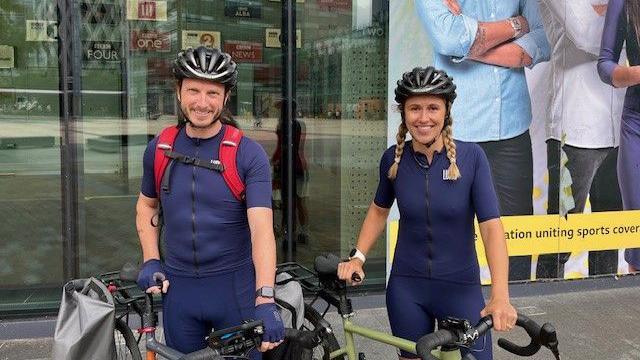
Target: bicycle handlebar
328	265
306	339
540	336
427	343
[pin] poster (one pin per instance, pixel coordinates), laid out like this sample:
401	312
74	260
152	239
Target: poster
244	51
273	38
146	10
7	57
195	38
242	9
574	134
150	40
41	30
106	51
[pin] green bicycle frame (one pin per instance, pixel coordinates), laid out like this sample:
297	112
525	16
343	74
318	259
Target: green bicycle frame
350	349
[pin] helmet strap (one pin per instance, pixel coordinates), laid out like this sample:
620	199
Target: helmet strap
430	143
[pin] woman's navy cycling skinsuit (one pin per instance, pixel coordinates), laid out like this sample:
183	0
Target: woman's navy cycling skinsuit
435	270
617	31
207	243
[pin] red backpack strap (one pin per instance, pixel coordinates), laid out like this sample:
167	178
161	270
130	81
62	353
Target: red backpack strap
165	142
228	152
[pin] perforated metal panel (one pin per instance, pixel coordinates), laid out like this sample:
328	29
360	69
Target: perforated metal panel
364	128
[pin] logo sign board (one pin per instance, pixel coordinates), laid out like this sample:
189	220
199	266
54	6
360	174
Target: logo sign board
148	10
7	57
273	38
42	30
244	51
102	51
195	38
242	9
150	40
329	5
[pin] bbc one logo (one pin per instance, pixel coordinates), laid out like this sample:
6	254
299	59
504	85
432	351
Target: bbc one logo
150	40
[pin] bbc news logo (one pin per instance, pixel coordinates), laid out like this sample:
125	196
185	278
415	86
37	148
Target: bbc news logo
147	10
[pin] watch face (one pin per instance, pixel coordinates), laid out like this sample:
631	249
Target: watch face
516	24
266	291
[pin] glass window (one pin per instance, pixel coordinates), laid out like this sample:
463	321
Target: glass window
31	243
341	116
127	95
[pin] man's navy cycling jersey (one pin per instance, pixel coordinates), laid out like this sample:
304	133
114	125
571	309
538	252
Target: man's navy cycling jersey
436	233
205	227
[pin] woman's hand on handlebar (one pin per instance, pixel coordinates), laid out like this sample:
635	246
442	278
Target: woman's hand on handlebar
347	269
503	313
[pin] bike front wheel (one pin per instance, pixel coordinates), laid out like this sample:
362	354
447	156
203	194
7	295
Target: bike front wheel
126	346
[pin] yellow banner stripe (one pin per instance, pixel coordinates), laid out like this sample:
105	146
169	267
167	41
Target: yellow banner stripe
546	234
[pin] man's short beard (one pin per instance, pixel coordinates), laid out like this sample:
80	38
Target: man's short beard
215	120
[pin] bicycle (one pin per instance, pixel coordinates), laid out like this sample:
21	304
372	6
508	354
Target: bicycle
129	300
452	335
134	308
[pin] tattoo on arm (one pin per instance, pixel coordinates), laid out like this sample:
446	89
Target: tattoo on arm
525	59
479	46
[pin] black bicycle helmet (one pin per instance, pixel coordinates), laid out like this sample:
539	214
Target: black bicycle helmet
206	64
425	81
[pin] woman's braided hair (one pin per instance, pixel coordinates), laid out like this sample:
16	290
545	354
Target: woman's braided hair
426	81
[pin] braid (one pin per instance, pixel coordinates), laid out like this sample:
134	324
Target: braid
453	173
400	139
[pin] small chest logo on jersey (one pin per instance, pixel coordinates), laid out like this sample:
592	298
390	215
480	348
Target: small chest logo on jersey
445	175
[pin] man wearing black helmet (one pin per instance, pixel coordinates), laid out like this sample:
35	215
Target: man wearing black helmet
218	264
440	185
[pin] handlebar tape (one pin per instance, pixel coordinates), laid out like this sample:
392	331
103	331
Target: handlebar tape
532	329
430	341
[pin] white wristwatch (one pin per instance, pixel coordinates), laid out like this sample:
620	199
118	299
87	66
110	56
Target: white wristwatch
357	254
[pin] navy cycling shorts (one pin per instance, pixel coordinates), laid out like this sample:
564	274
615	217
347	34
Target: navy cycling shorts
192	307
414	305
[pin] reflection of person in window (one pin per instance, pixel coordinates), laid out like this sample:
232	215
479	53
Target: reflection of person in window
589	119
206	40
300	173
622	24
485	45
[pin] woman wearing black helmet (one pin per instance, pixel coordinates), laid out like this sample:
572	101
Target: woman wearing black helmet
440	185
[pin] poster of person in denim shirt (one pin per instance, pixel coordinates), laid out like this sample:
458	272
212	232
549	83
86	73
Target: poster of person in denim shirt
485	46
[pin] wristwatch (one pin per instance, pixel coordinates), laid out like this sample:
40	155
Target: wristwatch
266	292
516	25
357	254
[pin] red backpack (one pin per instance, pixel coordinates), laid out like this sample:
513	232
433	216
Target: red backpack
226	165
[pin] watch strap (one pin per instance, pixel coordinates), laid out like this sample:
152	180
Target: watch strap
357	254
